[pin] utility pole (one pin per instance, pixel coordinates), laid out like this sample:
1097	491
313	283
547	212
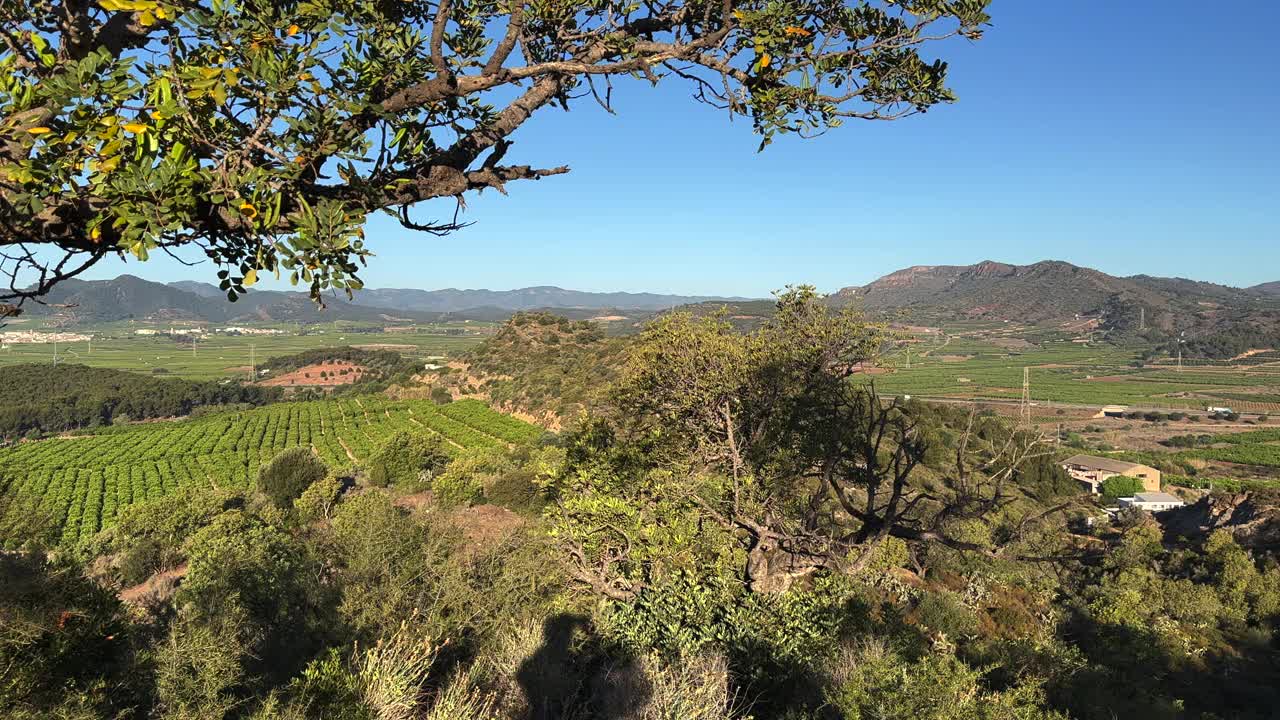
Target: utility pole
253	363
908	356
1180	342
1142	319
1026	395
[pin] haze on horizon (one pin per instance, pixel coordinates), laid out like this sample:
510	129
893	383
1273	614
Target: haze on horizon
1074	138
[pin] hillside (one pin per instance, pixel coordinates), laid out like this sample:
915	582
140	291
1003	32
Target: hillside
1050	291
1271	288
540	364
127	297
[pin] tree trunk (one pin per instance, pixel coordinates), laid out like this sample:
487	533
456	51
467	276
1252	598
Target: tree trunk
771	569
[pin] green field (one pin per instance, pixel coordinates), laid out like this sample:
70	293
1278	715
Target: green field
1073	373
85	481
117	346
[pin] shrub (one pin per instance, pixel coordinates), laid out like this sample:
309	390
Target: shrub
406	458
874	681
466	478
290	473
318	500
944	613
392	672
197	672
1119	486
141	560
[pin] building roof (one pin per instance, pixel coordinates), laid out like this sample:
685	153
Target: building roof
1101	463
1156	497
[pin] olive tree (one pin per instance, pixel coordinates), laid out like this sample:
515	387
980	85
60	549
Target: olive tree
264	132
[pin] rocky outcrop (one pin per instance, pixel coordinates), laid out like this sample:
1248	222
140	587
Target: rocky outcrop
1252	518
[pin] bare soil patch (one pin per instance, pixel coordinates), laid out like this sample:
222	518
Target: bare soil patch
387	346
326	374
486	525
414	501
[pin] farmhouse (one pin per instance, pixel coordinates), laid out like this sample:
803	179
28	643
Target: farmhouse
1093	471
1152	501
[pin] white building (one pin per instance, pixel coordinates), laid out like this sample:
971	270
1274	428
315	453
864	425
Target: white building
1152	501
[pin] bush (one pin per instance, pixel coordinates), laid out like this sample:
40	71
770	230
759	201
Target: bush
284	479
1119	486
143	559
317	502
874	681
465	480
406	458
944	613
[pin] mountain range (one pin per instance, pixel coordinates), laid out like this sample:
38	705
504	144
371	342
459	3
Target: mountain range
1053	290
129	297
1040	293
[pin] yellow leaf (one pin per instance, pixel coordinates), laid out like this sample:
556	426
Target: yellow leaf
39	130
160	13
96	234
765	59
135	128
294	30
146	19
248	210
250	278
794	30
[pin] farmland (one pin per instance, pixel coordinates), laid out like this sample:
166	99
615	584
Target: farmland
116	346
986	365
85	481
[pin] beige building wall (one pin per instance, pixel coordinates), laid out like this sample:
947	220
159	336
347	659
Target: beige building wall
1149	476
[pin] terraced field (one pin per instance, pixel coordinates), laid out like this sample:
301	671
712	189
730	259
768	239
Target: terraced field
86	481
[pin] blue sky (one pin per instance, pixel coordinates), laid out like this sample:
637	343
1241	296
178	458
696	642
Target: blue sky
1135	137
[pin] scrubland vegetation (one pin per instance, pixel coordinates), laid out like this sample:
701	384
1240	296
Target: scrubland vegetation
735	532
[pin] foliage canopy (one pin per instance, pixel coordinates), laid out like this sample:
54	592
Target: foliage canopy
265	132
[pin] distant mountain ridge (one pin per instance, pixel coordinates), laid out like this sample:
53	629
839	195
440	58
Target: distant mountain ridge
545	296
129	297
1053	290
1043	292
